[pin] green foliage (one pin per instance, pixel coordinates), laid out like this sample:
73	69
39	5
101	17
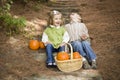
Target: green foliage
12	25
6	7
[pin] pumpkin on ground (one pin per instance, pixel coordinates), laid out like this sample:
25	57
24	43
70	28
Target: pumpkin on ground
34	44
41	45
76	55
62	56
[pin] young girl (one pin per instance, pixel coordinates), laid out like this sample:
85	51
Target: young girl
79	38
54	37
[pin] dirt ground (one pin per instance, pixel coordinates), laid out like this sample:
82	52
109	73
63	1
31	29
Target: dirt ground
102	18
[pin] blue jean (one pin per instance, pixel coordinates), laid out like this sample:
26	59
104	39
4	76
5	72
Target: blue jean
50	50
84	48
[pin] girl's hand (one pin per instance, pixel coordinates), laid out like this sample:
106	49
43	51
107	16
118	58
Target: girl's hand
62	44
84	37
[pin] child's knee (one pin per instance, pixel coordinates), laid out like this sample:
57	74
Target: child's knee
85	43
48	45
76	43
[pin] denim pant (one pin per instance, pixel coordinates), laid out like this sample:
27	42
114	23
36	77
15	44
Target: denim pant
50	50
84	48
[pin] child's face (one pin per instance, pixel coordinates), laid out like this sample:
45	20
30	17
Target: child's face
72	15
75	17
57	20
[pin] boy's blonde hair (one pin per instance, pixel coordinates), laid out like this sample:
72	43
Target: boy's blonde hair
51	16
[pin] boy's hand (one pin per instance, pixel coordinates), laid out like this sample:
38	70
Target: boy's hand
84	37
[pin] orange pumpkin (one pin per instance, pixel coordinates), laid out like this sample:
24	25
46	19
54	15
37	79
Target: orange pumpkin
62	56
76	55
41	45
34	44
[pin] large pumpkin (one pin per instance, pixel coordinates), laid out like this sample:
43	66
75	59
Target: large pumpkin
76	55
62	56
34	44
41	45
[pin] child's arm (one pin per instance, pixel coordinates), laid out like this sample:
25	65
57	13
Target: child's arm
85	34
45	39
65	39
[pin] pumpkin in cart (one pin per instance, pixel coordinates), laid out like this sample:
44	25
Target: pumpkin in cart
76	55
62	56
34	44
41	45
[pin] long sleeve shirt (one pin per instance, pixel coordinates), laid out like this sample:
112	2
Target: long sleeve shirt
76	30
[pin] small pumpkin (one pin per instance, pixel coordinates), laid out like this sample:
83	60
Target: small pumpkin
41	45
34	44
62	56
76	55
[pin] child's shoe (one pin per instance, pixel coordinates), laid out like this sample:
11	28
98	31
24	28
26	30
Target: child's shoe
49	65
86	65
54	64
94	66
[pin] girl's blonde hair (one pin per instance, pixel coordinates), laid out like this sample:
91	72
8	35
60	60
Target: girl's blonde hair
51	16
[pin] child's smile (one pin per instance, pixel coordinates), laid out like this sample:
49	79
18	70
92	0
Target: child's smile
57	20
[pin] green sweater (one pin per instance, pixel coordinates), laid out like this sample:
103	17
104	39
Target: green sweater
55	35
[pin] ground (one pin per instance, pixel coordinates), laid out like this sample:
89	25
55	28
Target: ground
102	18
